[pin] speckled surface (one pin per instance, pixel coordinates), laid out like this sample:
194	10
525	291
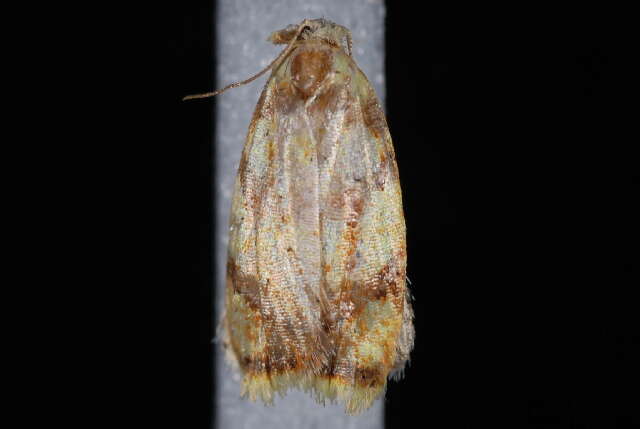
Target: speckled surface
241	30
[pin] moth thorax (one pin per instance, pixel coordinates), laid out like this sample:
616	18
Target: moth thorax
309	67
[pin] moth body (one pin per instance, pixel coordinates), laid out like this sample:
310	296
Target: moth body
316	295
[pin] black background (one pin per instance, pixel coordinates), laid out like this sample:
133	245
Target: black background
519	190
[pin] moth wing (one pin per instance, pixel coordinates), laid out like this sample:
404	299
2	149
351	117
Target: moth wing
364	242
274	305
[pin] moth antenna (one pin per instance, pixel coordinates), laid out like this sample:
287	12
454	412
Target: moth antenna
284	53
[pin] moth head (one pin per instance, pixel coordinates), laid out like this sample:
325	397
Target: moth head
319	29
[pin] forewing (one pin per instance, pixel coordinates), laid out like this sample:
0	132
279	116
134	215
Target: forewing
274	308
363	237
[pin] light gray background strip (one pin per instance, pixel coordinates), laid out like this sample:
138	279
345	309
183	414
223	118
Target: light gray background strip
242	27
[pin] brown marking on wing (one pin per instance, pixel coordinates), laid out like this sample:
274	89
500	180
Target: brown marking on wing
374	117
280	357
369	377
271	152
357	205
354	202
375	122
385	284
285	350
244	285
242	171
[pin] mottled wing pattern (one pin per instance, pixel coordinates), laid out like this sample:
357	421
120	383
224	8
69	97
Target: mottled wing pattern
272	294
316	294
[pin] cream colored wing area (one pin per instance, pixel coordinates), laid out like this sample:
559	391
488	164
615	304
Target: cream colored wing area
363	238
274	247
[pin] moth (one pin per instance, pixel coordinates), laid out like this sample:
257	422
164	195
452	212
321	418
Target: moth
316	294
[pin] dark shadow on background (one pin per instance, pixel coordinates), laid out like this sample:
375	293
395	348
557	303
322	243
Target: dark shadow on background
516	190
196	75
